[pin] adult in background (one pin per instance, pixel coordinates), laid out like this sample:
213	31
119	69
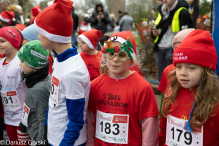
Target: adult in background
126	22
6	5
191	8
99	20
172	18
159	4
120	13
75	26
20	11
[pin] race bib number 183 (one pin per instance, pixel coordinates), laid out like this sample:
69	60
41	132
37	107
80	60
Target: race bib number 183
177	136
112	128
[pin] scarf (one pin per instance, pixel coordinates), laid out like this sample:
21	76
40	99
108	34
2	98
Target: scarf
35	77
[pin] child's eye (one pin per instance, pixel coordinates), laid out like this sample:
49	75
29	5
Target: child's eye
178	66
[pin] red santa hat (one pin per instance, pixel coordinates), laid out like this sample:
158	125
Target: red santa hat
122	37
36	10
48	23
90	37
7	16
197	48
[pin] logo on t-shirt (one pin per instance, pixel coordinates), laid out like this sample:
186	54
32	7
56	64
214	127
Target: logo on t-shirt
11	77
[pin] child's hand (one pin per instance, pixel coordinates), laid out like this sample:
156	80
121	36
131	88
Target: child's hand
156	32
22	127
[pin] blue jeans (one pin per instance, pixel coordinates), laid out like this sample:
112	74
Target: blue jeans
164	57
73	38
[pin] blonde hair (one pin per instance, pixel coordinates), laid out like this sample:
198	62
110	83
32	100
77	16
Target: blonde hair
206	99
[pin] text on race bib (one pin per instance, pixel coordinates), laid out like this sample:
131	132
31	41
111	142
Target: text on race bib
176	135
112	128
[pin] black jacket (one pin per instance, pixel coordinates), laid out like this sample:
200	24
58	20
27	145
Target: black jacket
100	25
184	18
75	19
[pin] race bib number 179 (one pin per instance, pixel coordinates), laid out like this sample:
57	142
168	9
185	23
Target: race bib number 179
112	128
177	136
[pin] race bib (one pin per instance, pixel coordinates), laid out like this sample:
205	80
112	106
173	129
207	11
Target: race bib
112	128
55	91
10	99
177	136
26	111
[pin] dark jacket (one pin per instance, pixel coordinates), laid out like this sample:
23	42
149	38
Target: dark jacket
101	24
75	19
184	18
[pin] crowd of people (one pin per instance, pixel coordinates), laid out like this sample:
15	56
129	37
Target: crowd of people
51	95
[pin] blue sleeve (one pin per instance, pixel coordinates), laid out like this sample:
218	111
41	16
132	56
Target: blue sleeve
46	118
75	108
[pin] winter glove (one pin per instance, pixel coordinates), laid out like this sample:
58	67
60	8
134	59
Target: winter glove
22	127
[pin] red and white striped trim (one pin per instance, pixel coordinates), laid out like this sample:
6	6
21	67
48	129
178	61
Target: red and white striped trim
4	19
22	136
52	37
86	40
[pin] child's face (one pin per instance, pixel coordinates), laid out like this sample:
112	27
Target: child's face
83	46
188	75
26	69
46	43
5	47
116	67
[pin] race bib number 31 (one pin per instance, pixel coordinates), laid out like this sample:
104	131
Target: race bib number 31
177	136
112	128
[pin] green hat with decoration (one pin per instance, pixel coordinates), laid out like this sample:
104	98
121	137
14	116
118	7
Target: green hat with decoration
34	55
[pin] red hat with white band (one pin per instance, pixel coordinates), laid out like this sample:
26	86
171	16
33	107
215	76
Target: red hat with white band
7	16
197	48
55	22
90	37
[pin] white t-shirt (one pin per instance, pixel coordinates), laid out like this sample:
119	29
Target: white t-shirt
13	91
72	81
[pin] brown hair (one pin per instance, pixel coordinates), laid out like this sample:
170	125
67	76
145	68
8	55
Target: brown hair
206	99
3	23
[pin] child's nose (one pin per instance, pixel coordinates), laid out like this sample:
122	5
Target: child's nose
183	71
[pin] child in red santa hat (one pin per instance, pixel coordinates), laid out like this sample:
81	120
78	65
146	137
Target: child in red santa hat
122	107
35	11
70	78
92	58
190	109
7	18
164	81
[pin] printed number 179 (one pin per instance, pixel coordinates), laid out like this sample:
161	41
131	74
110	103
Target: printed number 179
187	136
